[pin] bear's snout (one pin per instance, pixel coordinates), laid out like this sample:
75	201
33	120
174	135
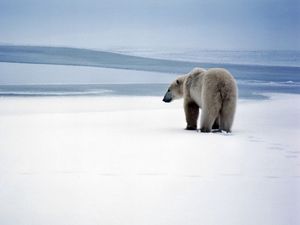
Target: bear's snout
168	97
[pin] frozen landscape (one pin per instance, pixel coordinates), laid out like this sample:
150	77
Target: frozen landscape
93	143
85	138
128	160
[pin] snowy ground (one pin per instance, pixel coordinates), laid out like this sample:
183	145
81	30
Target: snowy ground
128	161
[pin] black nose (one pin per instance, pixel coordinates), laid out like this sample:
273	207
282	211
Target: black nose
167	100
167	97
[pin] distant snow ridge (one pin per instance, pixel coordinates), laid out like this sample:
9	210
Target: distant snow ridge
85	57
159	61
270	58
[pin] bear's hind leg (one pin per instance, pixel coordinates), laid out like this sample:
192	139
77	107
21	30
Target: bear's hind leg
210	111
207	120
227	115
216	124
191	110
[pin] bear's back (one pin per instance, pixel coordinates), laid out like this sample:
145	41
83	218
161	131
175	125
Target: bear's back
219	79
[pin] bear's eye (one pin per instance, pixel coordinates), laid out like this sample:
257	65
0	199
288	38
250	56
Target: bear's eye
177	81
169	90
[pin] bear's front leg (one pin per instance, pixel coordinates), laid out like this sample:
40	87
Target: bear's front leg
191	110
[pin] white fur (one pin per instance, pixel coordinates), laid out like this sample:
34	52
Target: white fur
214	91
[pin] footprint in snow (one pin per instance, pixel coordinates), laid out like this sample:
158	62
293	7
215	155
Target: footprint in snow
254	139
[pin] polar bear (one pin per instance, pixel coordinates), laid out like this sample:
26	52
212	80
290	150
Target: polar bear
213	90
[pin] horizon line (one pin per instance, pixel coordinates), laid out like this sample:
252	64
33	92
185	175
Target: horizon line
118	48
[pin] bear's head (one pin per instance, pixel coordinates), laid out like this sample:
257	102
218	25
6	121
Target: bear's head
175	90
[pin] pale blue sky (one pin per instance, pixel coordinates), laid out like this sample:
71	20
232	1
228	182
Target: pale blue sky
208	24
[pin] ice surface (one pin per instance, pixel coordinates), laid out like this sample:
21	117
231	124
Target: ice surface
128	160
